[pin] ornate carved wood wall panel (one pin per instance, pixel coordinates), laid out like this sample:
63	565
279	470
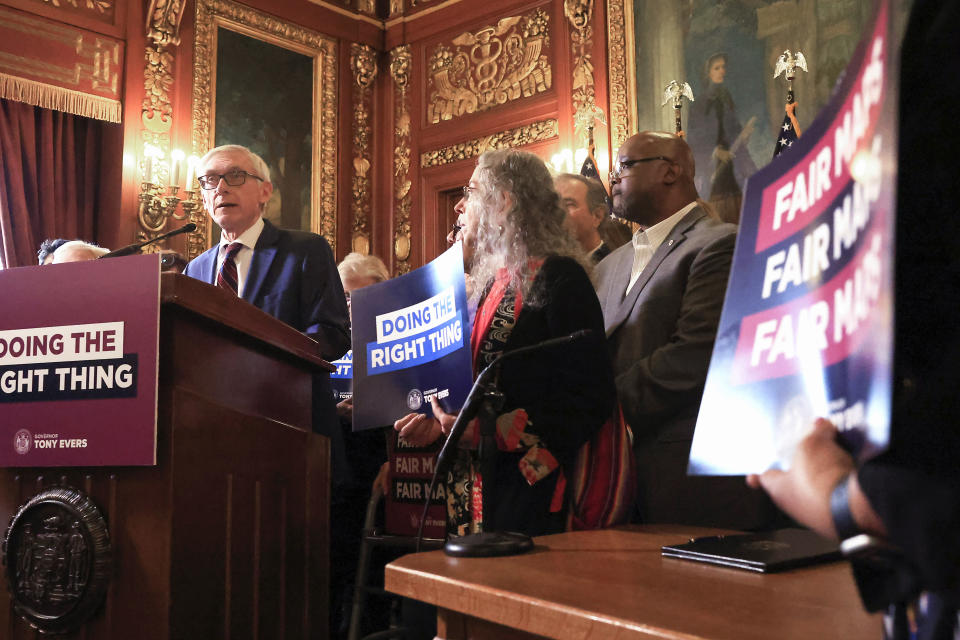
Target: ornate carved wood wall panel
409	99
501	74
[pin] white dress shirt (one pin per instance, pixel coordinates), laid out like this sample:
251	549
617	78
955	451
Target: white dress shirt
245	256
646	241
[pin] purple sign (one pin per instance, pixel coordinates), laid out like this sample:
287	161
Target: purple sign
807	323
78	363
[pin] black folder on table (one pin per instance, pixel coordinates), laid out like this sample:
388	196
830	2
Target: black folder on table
766	552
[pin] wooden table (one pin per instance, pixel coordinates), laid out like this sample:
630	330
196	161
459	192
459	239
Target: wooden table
614	584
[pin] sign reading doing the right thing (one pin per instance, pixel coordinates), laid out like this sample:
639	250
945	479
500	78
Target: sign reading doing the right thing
807	323
411	342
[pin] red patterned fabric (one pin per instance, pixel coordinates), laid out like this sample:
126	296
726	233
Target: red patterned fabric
604	478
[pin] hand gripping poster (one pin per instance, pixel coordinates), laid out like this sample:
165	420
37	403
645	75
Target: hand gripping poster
411	342
807	324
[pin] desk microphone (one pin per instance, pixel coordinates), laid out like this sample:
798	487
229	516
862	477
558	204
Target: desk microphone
135	248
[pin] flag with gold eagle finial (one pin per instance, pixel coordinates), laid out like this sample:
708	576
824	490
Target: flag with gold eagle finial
789	130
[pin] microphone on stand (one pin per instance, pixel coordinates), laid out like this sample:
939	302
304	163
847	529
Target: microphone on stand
485	385
135	248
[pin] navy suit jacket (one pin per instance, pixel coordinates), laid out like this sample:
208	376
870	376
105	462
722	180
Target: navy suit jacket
294	278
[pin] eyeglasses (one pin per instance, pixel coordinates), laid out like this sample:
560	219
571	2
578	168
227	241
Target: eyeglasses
466	192
623	165
233	178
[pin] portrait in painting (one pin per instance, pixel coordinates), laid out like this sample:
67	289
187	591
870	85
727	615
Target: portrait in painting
726	50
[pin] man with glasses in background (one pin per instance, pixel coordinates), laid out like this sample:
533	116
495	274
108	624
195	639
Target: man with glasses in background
661	296
289	274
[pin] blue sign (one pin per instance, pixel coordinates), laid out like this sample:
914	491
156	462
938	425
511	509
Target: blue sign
341	380
411	342
807	323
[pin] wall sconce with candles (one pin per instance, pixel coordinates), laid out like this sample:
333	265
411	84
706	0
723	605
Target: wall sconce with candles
160	189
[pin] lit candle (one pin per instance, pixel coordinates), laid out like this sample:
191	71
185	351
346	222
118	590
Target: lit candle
176	164
193	170
150	152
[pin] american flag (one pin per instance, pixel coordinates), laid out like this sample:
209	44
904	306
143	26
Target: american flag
589	170
789	131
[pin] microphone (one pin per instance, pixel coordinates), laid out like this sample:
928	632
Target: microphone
135	248
482	387
471	406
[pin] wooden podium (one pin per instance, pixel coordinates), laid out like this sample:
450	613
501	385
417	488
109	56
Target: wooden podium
227	536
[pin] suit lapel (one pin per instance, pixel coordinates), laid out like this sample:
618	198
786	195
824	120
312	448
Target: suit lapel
627	302
262	259
616	285
211	270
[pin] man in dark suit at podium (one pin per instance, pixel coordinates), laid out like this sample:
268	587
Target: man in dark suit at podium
289	274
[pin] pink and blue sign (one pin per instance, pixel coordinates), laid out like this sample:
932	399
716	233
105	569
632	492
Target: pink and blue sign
807	323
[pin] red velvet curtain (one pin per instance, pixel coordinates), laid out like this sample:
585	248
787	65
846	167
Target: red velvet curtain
49	179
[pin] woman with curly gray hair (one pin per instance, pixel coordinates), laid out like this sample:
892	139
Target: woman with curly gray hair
530	286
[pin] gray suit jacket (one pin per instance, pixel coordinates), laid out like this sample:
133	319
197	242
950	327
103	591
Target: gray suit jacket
661	337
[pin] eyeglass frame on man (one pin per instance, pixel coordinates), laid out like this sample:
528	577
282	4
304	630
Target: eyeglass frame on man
466	192
626	165
207	185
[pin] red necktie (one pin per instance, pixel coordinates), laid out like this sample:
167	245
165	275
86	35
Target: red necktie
227	277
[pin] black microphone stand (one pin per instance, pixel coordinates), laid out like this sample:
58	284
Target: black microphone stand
485	400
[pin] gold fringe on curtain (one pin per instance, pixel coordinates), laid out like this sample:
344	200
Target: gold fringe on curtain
50	97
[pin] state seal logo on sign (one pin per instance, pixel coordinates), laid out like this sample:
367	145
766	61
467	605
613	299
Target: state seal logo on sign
21	441
414	399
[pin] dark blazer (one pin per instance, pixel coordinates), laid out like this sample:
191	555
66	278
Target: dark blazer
600	253
567	392
294	278
661	338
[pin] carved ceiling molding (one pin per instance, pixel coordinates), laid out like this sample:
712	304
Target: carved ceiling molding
210	15
100	10
619	57
512	138
400	72
363	63
490	67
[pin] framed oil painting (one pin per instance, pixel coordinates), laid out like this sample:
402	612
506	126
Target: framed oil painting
726	50
270	86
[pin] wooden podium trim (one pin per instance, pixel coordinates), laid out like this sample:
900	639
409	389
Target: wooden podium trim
226	309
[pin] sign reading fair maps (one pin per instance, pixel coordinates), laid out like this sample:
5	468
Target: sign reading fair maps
411	341
78	363
807	324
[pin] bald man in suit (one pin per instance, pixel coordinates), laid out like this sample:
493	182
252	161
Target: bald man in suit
661	296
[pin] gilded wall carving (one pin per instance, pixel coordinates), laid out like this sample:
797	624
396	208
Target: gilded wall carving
363	63
585	109
512	138
212	14
619	18
102	10
400	72
492	66
157	109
